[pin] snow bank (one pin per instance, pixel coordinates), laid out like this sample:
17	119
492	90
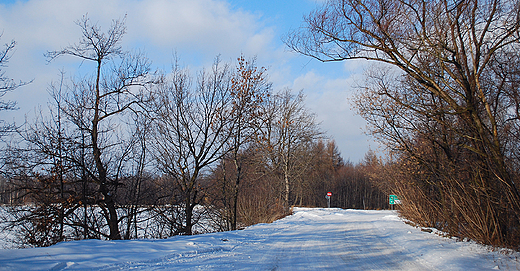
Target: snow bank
310	239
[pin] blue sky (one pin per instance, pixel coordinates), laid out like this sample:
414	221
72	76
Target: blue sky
197	31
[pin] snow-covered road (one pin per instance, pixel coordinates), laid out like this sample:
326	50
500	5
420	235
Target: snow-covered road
310	239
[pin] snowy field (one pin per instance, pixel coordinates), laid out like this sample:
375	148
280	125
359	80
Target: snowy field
310	239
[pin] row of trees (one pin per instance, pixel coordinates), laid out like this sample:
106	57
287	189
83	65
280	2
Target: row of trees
127	152
124	144
444	98
320	169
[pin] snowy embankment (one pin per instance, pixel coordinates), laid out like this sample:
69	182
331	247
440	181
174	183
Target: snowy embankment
310	239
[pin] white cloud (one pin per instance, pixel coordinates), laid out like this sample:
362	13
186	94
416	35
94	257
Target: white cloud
330	99
208	27
197	30
205	26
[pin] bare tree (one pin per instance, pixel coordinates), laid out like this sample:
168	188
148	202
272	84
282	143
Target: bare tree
96	105
7	85
288	134
138	173
193	127
445	97
249	91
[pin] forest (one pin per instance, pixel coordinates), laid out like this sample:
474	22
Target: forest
129	152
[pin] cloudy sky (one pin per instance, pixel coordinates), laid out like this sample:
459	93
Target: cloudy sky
196	31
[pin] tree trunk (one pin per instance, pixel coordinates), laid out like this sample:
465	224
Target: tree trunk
102	173
189	215
287	186
235	194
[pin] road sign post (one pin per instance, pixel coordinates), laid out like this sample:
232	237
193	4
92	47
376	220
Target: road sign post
393	199
329	194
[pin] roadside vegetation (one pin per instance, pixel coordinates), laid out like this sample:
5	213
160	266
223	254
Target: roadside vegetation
122	146
442	95
126	152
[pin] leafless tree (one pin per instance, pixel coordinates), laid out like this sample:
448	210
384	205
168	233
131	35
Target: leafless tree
249	91
193	128
442	94
97	104
7	85
288	134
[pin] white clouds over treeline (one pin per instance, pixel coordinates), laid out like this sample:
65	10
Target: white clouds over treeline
196	30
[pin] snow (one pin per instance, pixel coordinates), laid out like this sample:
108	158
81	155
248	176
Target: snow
310	239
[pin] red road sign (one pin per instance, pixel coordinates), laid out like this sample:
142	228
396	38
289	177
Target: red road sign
329	194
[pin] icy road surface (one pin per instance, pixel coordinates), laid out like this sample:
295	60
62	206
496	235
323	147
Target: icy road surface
310	239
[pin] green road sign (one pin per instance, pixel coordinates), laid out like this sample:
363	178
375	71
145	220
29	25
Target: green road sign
394	199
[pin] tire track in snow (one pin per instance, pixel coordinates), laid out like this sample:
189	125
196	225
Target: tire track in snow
368	248
326	239
310	239
330	241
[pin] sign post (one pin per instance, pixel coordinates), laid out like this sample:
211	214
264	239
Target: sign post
329	194
393	199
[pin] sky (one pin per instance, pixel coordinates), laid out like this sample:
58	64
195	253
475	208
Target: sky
196	31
